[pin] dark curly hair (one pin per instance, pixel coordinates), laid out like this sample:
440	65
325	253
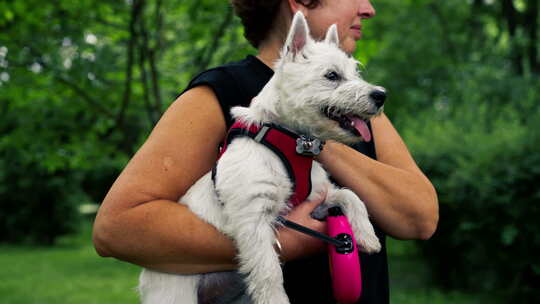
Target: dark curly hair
258	16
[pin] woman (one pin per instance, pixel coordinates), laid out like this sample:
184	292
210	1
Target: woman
141	222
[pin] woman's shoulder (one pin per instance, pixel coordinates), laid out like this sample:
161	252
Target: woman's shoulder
234	83
236	74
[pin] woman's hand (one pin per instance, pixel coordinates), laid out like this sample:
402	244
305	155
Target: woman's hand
295	244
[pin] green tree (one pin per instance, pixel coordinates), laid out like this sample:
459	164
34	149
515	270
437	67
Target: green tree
464	87
82	84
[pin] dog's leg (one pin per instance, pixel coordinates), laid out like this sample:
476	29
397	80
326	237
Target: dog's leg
253	232
356	212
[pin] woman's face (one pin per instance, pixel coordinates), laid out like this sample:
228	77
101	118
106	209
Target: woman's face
347	14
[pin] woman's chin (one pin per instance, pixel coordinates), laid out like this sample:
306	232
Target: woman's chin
348	45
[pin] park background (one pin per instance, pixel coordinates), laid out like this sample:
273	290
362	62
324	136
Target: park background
83	82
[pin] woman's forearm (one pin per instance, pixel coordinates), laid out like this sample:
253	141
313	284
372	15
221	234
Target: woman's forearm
401	202
165	236
398	196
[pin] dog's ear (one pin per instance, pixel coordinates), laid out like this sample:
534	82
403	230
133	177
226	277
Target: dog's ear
298	35
332	35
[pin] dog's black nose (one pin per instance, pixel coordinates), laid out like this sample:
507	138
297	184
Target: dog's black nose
378	96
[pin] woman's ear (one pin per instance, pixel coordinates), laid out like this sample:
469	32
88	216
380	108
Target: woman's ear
296	6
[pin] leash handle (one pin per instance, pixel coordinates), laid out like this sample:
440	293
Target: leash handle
344	262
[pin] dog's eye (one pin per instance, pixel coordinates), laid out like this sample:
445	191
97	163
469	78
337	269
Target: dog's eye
332	76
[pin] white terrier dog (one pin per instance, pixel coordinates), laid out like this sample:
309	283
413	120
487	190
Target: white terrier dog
316	91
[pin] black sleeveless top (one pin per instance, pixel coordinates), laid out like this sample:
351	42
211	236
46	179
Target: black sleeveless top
306	280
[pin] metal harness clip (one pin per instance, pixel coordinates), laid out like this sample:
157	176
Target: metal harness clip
308	146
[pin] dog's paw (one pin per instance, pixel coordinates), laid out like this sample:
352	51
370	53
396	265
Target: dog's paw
368	243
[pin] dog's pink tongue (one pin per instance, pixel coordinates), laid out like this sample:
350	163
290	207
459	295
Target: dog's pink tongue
362	128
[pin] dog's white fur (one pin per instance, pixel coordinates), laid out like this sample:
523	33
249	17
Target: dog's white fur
252	186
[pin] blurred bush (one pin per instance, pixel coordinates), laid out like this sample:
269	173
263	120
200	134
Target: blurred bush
485	165
37	204
463	92
49	166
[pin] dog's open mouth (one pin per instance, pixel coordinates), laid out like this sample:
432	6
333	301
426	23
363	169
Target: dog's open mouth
352	123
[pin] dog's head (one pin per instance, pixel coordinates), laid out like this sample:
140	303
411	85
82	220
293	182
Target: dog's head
320	91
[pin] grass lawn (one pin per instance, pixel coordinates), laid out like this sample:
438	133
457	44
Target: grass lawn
69	273
72	273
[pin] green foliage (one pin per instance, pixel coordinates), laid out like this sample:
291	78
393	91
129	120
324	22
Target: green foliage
82	83
80	92
33	211
44	160
465	98
486	172
426	52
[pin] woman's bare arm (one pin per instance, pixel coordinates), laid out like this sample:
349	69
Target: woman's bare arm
398	196
139	220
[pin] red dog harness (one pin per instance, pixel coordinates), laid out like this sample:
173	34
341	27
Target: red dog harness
296	153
